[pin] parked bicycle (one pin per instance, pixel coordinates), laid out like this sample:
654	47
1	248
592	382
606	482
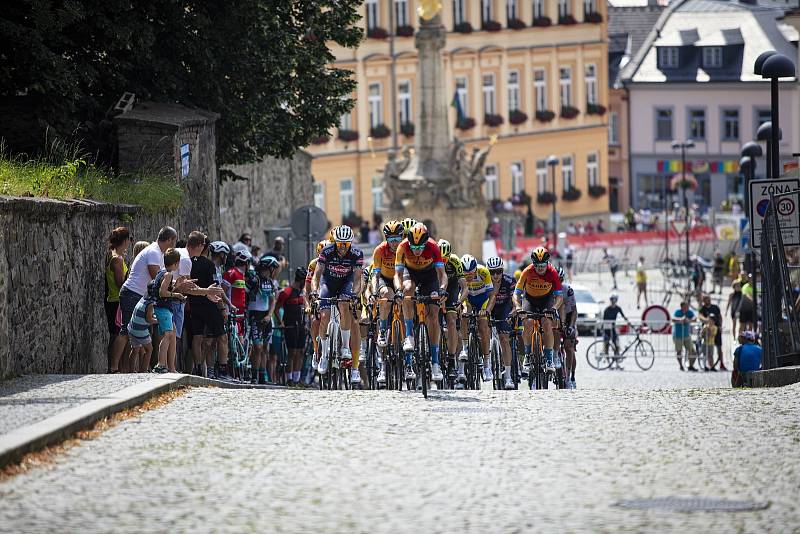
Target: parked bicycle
602	354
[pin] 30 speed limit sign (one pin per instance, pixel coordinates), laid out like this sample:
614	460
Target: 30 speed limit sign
786	197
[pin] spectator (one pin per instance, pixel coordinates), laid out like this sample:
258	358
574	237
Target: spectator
115	273
139	246
291	302
718	273
243	244
195	245
682	321
363	230
733	268
613	265
161	290
277	252
641	282
698	276
600	229
139	334
571	229
746	358
255	250
710	313
747	309
734	300
630	219
569	257
589	227
610	326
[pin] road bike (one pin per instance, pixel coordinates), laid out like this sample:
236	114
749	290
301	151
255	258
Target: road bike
598	357
474	364
705	347
371	359
422	344
538	377
239	346
337	376
496	354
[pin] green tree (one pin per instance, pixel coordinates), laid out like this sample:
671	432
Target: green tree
264	65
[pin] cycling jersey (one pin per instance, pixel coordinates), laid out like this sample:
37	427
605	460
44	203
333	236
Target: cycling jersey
535	285
383	260
340	267
453	267
429	259
479	282
312	266
263	293
503	296
235	278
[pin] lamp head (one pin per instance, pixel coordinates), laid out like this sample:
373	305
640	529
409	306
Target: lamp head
758	66
751	150
744	163
552	161
764	132
777	66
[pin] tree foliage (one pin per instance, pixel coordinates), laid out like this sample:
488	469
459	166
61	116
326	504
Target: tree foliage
264	65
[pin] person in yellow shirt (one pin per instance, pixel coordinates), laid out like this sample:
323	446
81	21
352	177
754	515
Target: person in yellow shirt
480	298
641	282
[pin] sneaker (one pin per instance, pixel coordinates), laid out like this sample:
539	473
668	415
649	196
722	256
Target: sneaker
463	356
346	354
408	344
461	385
692	369
462	377
382	338
410	374
557	359
254	379
548	367
160	369
382	375
487	373
509	384
223	374
355	376
526	367
322	368
436	372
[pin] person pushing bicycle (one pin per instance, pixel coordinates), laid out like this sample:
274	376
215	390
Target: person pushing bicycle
609	325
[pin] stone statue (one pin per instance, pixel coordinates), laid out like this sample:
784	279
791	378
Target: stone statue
393	188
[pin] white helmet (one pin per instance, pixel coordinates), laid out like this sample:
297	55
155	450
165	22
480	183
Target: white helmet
243	256
218	247
494	263
343	234
469	263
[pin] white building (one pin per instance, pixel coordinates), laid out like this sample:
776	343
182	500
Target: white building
693	79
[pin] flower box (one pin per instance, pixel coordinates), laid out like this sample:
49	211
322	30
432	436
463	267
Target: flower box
597	191
347	135
567	20
595	109
545	115
546	197
593	18
377	33
517	117
381	131
492	120
572	194
463	27
569	112
542	22
467	123
516	24
407	129
405	31
492	26
321	140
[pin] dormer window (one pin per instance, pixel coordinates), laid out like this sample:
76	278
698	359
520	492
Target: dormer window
668	57
712	57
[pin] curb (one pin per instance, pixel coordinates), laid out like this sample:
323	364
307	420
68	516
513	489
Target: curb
55	429
772	378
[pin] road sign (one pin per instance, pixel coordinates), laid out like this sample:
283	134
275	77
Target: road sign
786	206
309	220
679	225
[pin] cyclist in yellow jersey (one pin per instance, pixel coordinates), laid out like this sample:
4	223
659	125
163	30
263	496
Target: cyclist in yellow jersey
480	298
456	295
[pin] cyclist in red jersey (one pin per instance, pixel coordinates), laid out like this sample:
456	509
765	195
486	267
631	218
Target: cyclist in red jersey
234	284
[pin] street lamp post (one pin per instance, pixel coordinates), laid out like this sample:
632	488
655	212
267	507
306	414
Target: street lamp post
683	146
775	67
764	133
552	161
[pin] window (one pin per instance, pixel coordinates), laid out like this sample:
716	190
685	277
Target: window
513	90
565	83
373	14
664	124
541	175
712	57
377	193
461	94
346	198
488	94
588	7
512	10
592	169
730	125
492	191
319	195
668	57
762	116
375	105
540	88
567	174
517	177
459	12
613	128
538	9
697	124
404	101
563	8
401	13
487	10
346	121
591	84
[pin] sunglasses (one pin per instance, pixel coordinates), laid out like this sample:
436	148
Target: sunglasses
417	247
394	239
495	272
540	265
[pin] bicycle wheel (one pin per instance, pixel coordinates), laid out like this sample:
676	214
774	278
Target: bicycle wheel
515	375
596	357
423	358
494	351
644	355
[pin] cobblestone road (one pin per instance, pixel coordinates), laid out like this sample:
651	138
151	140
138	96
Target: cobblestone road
301	461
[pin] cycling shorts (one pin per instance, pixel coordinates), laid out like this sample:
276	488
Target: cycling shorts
295	335
453	288
333	288
426	281
536	304
260	327
478	302
501	314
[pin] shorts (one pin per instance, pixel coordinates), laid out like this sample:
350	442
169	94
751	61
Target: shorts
165	320
746	316
295	335
718	337
536	304
478	302
332	288
137	342
501	314
641	286
111	317
453	288
683	343
127	301
178	309
427	282
260	327
206	321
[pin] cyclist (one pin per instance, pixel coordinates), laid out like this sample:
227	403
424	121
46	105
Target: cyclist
407	224
456	295
290	300
262	296
480	299
383	276
419	264
569	317
539	285
501	310
233	282
312	265
610	333
338	274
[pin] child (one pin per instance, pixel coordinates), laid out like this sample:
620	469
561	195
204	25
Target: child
139	334
160	289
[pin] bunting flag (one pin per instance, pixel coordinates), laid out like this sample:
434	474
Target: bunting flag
456	103
728	166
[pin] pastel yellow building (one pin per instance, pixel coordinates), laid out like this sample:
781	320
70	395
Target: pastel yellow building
534	72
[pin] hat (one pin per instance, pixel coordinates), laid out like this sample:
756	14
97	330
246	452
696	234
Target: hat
749	335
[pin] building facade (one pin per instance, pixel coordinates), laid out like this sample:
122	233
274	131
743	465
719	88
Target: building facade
693	79
533	73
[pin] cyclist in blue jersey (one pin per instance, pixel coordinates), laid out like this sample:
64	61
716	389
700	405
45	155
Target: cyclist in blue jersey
503	287
338	275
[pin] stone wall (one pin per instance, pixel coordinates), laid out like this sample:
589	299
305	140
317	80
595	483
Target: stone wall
273	189
52	257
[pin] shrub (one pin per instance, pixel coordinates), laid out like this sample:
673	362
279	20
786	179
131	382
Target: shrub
321	140
545	115
593	18
492	26
542	22
407	129
377	33
517	117
516	24
567	20
405	31
595	109
572	194
546	197
381	131
466	123
596	191
463	27
569	112
492	120
347	135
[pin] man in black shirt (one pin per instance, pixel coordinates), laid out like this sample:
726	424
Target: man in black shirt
610	315
206	319
711	312
291	301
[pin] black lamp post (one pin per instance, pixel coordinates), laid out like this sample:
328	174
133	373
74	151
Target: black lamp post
750	151
764	133
775	67
683	146
552	161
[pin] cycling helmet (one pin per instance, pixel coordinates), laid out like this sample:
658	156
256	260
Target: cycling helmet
407	223
561	274
749	335
219	247
392	228
418	234
322	244
613	297
299	273
469	263
540	255
494	263
343	234
242	257
444	247
268	262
